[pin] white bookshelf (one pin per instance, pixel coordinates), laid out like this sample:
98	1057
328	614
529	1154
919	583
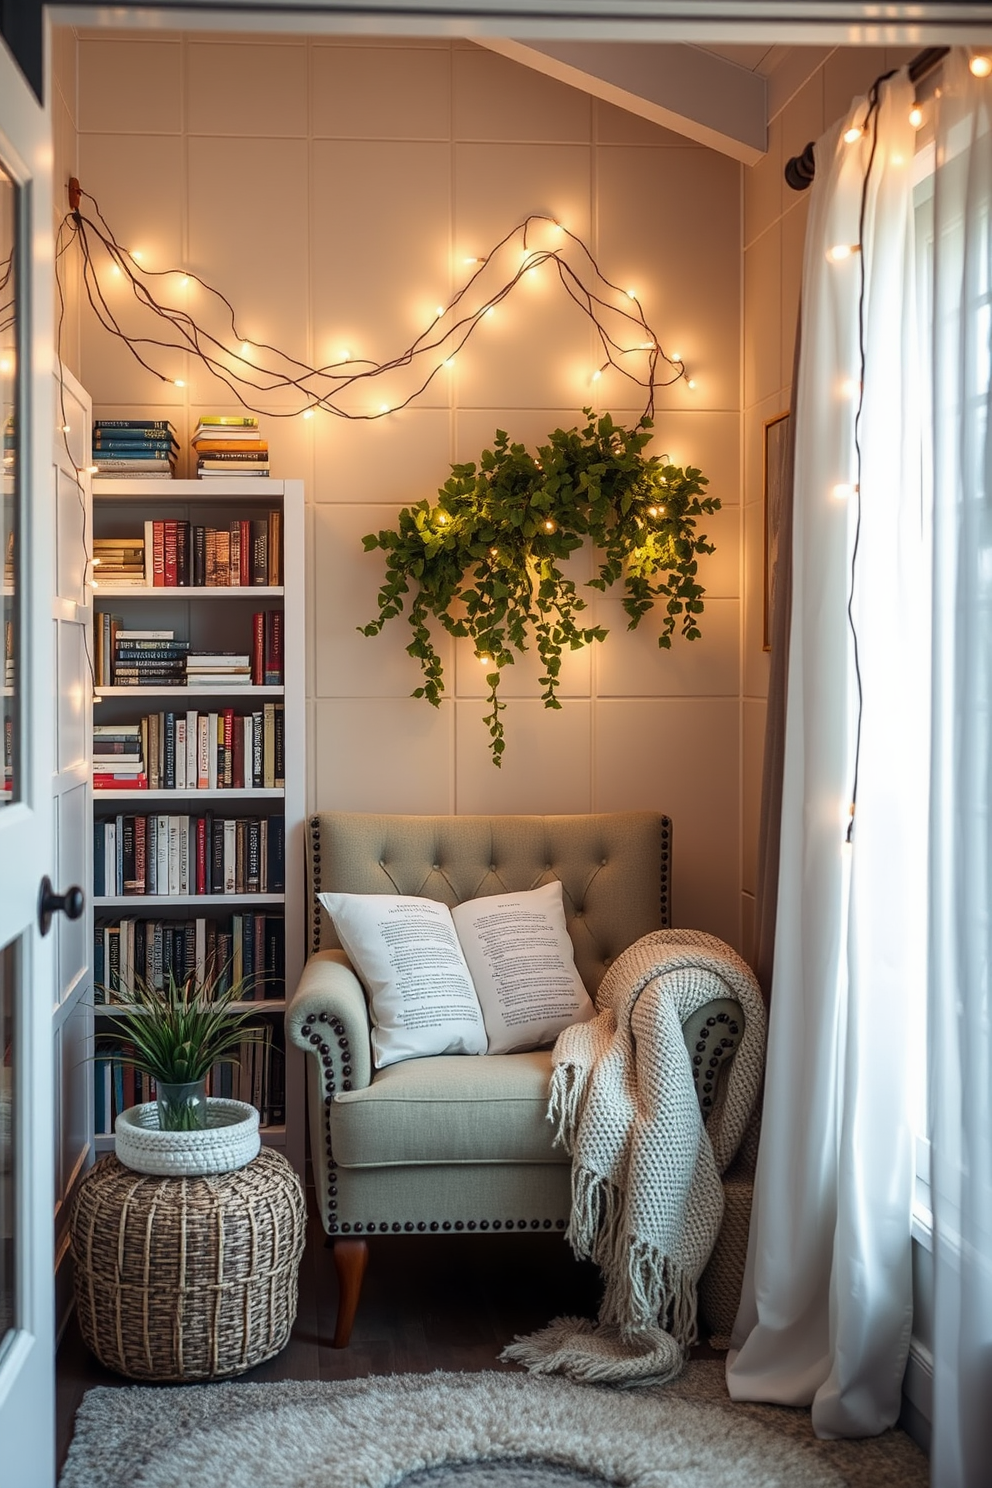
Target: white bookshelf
215	617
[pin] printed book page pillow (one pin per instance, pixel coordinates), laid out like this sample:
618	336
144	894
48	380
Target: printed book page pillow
523	965
406	952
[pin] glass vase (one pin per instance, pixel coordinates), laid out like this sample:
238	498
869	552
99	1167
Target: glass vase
182	1107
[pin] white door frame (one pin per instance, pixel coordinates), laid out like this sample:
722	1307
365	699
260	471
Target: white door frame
27	1366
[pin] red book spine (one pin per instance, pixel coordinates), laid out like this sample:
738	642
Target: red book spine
245	552
228	746
201	855
237	754
170	545
158	554
258	649
273	648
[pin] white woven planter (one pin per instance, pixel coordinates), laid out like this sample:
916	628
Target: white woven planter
229	1141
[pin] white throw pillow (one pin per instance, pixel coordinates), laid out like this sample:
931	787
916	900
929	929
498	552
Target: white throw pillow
406	952
523	965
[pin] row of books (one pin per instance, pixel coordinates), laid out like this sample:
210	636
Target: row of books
258	1078
193	751
155	658
9	661
181	854
227	445
241	948
177	554
7	784
124	448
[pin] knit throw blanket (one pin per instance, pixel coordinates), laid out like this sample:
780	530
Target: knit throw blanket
647	1200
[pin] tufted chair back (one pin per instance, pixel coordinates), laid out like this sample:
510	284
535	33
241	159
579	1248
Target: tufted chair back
614	869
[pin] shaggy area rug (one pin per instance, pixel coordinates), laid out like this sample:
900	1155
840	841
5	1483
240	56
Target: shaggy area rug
494	1430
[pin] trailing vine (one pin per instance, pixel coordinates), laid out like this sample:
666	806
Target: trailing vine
485	561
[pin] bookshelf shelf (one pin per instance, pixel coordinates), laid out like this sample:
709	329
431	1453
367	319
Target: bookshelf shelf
190	591
266	928
259	793
169	901
180	692
268	1004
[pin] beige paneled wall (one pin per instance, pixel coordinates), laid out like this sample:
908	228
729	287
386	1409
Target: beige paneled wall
774	232
333	190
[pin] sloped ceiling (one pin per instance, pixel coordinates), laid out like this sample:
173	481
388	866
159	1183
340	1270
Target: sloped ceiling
721	96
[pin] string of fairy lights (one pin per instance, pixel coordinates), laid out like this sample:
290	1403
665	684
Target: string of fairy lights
254	371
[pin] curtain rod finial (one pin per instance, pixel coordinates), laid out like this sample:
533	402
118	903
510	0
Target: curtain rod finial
800	170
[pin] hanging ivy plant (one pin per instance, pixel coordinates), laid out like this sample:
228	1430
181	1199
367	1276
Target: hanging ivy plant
486	560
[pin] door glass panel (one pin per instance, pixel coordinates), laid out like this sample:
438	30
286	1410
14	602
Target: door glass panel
9	539
8	976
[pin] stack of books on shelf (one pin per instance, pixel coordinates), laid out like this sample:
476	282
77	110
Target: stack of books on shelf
9	662
136	658
122	561
194	751
125	448
229	445
244	947
218	669
119	757
246	553
182	854
8	561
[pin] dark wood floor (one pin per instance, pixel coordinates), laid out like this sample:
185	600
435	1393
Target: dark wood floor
428	1302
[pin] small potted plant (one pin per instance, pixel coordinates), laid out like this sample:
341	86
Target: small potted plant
176	1034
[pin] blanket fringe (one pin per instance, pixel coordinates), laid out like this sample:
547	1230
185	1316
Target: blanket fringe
564	1096
598	1353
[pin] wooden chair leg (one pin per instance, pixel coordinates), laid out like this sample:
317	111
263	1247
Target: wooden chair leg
350	1259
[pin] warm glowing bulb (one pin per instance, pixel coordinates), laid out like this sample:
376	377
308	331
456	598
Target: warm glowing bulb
440	311
184	280
675	357
136	256
308	413
916	116
844	490
96	700
840	251
485	660
981	65
558	227
384	408
652	511
442	519
449	361
597	374
849	387
94	584
91	470
178	382
850	135
550	525
650	346
494	552
632	294
473	260
346	355
489	310
691	383
95	562
66	429
116	269
245	348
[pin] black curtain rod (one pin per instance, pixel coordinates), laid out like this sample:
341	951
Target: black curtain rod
800	170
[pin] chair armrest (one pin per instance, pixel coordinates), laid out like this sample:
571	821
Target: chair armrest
328	1007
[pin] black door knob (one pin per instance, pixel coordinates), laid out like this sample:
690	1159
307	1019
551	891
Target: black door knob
71	904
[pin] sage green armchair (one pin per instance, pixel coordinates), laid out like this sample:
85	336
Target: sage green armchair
457	1143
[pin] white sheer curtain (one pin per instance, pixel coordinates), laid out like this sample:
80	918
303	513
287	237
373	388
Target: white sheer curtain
826	1311
960	1038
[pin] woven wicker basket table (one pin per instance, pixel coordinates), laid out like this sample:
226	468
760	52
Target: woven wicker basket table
187	1278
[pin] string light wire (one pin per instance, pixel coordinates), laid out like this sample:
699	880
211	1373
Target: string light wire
268	369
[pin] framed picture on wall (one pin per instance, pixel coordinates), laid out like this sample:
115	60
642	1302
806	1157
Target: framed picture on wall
776	439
